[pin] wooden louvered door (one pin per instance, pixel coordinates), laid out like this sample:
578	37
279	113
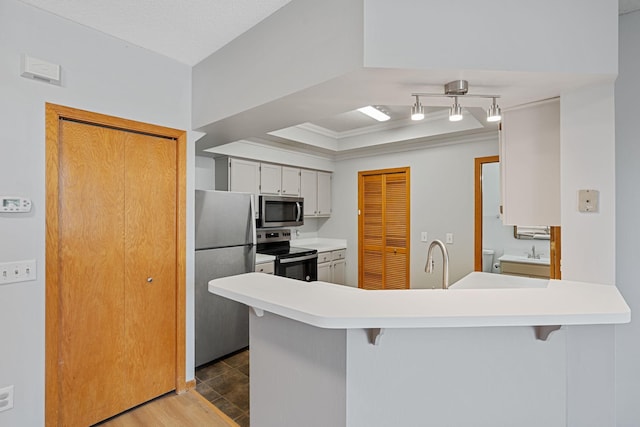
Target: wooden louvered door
383	229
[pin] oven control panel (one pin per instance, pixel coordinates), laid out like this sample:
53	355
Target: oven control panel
267	235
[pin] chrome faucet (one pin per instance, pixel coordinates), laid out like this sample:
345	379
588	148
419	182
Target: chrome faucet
445	258
533	253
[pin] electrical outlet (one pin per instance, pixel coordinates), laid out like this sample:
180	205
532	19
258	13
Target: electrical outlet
423	237
6	398
17	271
449	238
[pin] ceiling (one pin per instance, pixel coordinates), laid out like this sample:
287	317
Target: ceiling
185	30
191	30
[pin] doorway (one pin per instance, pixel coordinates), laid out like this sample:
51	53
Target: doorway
487	173
383	229
115	264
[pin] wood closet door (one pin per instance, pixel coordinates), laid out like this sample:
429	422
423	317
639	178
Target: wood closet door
117	228
384	229
149	265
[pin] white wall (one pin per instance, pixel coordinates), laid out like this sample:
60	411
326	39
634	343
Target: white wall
100	74
627	216
442	198
493	35
587	156
205	171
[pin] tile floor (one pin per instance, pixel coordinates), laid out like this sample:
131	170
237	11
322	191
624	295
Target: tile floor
225	383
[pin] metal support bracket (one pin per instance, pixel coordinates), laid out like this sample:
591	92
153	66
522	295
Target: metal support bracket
374	335
258	311
543	332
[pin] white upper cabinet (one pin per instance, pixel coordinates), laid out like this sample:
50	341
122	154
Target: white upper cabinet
237	175
530	164
249	176
315	187
244	176
324	194
309	191
290	181
279	180
270	178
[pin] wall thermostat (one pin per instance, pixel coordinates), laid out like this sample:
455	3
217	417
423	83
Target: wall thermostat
14	204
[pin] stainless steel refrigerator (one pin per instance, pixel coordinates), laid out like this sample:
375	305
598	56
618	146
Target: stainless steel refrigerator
225	238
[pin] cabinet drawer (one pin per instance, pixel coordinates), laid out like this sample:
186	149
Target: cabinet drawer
324	257
524	269
265	267
338	254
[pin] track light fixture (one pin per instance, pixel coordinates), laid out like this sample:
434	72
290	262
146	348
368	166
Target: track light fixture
417	111
493	113
455	112
455	89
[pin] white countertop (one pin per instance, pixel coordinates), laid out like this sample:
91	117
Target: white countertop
260	258
524	259
514	301
320	244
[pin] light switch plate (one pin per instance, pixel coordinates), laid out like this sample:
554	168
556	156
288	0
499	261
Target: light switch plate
424	237
17	271
588	201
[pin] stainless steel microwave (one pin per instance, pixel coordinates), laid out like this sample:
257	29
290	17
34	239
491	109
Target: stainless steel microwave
278	211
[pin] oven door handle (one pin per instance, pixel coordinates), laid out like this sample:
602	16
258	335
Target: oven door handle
297	259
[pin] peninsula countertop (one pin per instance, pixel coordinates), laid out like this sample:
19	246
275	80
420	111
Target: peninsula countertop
479	299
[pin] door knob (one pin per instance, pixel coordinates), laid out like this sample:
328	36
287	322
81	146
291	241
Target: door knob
149	279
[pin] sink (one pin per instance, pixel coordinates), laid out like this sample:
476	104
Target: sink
524	259
481	280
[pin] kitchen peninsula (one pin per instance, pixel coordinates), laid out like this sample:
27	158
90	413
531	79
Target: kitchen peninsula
478	354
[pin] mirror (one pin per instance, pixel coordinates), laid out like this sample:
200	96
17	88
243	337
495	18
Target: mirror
497	245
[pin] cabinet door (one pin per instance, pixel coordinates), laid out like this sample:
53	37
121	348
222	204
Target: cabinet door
265	267
309	191
530	164
244	176
338	270
270	178
324	272
324	193
290	181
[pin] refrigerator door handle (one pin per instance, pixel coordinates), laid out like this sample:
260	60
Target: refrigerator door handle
253	221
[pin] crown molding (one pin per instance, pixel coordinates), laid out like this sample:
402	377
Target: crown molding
467	137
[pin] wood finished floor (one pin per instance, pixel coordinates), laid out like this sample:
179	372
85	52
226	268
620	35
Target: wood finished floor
225	383
173	410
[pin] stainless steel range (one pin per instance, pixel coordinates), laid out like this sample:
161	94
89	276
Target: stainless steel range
295	263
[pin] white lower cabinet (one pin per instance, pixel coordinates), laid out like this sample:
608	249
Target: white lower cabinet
332	266
339	270
324	272
265	267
